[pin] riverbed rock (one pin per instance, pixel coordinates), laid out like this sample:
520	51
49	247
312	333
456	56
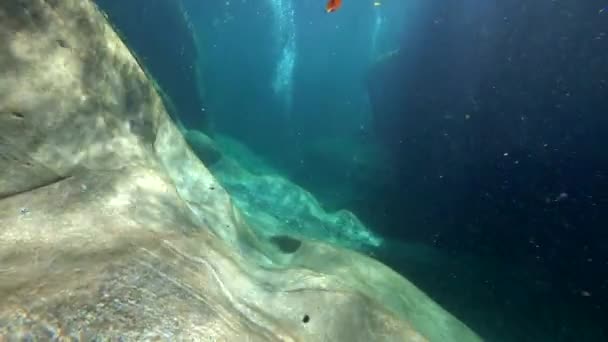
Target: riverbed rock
203	146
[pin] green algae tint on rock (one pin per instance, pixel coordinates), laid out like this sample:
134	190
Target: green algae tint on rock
123	238
203	146
274	205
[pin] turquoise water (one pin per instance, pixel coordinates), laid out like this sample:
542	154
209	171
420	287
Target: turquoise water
460	143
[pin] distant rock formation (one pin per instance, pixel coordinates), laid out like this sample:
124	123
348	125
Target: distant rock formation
479	111
112	229
495	113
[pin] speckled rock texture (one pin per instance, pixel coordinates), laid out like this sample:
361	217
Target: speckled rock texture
112	229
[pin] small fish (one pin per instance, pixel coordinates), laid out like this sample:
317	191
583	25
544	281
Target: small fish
377	3
602	10
333	5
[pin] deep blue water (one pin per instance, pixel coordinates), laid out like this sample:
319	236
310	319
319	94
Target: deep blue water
478	128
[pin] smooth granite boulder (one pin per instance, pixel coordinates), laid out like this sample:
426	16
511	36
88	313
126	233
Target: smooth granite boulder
273	205
203	146
112	229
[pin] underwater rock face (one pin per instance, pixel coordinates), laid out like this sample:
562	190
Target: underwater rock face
111	228
203	146
273	205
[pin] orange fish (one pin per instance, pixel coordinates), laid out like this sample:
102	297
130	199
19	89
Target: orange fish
333	5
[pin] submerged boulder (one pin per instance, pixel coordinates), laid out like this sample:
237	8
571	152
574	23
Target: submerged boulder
111	228
203	146
274	205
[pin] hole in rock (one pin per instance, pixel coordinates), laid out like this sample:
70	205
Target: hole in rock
286	243
63	43
18	115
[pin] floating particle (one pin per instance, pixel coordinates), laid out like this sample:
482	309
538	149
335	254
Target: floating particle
562	196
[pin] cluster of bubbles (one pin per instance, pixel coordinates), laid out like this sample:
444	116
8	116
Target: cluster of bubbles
286	40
